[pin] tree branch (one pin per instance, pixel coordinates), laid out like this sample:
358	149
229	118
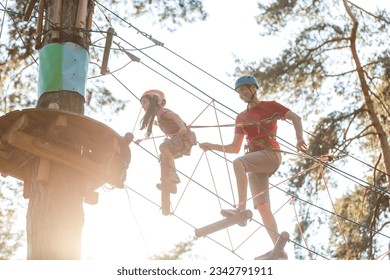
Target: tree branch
365	89
367	12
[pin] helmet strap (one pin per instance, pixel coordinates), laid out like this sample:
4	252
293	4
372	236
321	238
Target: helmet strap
252	97
249	101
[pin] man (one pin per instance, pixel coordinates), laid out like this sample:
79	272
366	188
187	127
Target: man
259	124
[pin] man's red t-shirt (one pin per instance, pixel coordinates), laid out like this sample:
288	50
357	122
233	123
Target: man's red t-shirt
261	121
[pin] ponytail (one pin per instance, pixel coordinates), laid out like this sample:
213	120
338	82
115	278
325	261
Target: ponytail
148	119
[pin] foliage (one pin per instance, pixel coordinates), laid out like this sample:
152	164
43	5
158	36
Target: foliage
177	252
315	73
361	238
10	235
18	56
171	14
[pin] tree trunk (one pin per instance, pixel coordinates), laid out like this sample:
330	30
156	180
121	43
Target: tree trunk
55	215
55	212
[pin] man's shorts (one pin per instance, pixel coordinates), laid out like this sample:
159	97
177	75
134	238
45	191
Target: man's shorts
260	165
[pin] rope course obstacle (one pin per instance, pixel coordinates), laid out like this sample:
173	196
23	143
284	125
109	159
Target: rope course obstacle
210	231
325	162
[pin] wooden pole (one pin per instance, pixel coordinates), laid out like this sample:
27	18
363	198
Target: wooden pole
55	36
81	17
107	49
28	10
55	215
38	43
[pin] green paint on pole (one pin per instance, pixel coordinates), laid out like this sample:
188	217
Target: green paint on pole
62	67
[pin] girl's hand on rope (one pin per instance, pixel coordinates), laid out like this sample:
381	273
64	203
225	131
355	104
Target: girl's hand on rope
301	146
205	146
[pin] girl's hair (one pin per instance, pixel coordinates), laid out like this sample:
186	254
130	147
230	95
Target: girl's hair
148	119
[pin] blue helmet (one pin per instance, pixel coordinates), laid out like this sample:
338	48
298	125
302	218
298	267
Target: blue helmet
246	80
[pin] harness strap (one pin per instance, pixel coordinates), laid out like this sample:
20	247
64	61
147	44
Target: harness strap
259	144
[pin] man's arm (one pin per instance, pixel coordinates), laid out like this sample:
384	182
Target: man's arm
296	120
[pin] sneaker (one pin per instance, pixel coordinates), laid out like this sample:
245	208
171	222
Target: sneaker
267	256
172	188
231	212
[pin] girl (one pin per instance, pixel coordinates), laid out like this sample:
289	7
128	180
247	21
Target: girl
179	139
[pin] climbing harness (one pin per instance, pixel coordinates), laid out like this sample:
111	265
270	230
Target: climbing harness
259	144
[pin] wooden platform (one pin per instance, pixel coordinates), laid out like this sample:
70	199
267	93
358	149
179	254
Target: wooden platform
76	141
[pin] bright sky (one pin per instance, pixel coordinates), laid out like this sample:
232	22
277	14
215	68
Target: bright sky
126	226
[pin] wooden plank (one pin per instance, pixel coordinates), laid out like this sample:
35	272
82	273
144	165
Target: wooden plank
165	193
165	200
81	128
279	246
9	168
4	154
20	124
55	153
224	223
98	139
28	11
89	21
56	126
27	181
43	171
56	20
107	50
13	161
41	10
81	17
108	150
75	129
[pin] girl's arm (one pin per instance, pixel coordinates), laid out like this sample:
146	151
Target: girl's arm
233	147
